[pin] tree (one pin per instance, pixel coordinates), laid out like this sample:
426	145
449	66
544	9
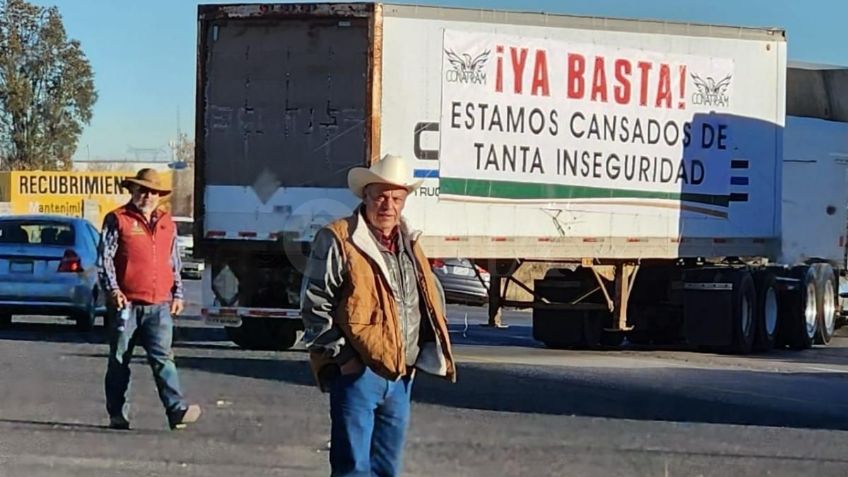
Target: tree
46	88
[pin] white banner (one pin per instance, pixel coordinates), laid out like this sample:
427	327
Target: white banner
529	119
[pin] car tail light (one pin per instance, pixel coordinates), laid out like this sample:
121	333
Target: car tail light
484	274
70	263
436	263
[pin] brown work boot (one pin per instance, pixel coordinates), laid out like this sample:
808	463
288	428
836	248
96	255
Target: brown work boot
180	418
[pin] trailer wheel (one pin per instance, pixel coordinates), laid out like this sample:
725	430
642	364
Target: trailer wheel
744	306
799	310
265	334
826	302
562	328
240	337
285	333
612	339
766	323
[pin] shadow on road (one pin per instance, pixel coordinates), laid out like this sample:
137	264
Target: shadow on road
289	371
184	337
72	427
522	336
834	354
667	394
51	333
479	335
817	357
672	394
293	372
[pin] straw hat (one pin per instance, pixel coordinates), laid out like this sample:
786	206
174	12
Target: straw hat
149	179
390	170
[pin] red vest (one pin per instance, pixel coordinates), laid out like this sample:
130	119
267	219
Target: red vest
143	260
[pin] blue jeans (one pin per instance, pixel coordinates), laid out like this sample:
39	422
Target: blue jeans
369	418
152	327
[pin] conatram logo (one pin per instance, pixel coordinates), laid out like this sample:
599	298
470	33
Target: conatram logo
711	92
465	68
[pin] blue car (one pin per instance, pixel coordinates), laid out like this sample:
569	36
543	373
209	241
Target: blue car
48	266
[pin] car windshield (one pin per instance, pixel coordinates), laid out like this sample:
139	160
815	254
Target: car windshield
184	228
36	232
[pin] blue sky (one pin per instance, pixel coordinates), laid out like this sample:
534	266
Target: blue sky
143	52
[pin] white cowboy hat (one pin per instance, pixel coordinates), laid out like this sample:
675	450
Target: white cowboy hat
388	170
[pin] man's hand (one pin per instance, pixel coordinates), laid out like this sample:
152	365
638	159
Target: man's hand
177	306
118	299
352	366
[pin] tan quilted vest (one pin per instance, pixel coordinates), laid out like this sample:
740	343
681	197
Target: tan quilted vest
367	313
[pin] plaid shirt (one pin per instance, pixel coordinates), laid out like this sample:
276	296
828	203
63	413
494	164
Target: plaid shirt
389	242
109	247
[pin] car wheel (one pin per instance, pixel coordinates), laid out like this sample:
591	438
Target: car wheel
85	319
5	320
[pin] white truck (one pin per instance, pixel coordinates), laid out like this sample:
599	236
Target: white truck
655	161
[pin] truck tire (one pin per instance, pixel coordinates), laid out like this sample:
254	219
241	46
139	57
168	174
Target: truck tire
827	287
563	285
239	336
572	329
285	333
569	329
799	310
266	334
744	312
767	313
612	339
563	329
720	318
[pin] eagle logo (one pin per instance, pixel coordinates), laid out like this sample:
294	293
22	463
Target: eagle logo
466	65
709	86
710	92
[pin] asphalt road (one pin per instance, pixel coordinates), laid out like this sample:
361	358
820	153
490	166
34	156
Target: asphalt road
517	409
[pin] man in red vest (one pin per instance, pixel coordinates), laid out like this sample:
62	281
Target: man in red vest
140	272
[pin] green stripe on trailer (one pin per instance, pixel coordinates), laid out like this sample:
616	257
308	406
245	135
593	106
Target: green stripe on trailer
532	191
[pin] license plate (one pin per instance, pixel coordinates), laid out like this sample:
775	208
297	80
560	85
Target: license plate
461	271
223	320
20	267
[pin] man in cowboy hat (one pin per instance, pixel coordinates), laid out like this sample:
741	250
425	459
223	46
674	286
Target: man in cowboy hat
140	273
373	314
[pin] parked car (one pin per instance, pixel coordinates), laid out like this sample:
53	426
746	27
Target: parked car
192	268
48	266
460	281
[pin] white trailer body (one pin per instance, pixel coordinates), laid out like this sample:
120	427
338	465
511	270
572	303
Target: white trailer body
815	191
739	211
407	78
620	146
